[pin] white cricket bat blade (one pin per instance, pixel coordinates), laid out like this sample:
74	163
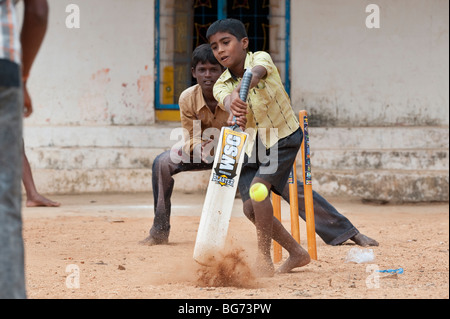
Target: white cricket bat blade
218	205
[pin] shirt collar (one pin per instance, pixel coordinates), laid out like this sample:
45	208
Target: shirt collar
203	104
247	64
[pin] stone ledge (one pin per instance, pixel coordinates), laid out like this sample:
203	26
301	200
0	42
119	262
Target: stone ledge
396	164
385	186
165	136
126	157
375	185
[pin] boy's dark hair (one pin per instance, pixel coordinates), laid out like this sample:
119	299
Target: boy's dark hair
232	26
203	54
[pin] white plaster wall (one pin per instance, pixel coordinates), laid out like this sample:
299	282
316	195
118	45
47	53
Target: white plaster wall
342	72
93	127
99	74
348	75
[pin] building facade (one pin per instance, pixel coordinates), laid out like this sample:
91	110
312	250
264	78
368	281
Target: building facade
374	80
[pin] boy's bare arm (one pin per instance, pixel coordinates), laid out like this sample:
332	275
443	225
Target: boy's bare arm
259	72
237	108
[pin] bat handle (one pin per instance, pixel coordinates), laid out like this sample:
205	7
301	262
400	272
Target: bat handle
235	126
245	86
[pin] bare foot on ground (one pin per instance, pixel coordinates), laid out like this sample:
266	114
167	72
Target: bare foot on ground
364	241
150	241
299	259
41	201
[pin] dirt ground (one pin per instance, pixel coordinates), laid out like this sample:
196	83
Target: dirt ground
88	248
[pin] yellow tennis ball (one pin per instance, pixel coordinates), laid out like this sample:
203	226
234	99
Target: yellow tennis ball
258	192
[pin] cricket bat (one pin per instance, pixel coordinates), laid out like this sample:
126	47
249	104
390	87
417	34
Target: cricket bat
223	183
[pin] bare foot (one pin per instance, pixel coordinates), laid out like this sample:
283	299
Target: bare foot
363	240
264	267
299	259
41	201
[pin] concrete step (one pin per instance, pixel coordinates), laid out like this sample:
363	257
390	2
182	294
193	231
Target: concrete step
165	136
126	157
379	164
78	181
89	158
381	159
376	185
394	186
153	136
372	138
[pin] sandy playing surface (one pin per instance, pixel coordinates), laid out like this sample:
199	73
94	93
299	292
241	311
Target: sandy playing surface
95	238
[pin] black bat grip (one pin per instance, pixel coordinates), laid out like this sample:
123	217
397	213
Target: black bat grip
245	86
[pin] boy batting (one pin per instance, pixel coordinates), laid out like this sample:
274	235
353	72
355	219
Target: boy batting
267	110
198	102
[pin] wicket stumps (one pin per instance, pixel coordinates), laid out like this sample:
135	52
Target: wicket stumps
293	207
307	186
293	197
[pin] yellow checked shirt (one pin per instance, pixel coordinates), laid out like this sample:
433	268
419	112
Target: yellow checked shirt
269	104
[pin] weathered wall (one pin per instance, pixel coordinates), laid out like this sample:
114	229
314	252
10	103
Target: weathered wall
349	75
99	74
377	99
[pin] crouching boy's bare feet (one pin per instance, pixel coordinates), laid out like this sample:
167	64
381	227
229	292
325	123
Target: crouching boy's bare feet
151	241
363	240
298	258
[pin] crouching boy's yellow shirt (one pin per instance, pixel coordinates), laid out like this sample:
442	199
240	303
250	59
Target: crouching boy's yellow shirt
268	104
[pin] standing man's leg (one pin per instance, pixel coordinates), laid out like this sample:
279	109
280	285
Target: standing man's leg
34	199
12	273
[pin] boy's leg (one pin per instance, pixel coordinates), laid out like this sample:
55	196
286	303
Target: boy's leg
330	224
263	219
162	182
268	228
283	154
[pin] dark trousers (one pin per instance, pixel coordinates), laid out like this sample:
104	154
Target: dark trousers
162	181
331	226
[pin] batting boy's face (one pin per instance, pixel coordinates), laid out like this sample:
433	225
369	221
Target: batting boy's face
228	50
207	74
